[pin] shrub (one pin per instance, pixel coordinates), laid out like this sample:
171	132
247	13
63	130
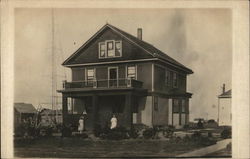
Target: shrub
83	135
196	134
168	132
133	133
226	133
186	126
149	133
117	134
66	131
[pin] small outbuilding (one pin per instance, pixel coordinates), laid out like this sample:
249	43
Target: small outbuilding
23	111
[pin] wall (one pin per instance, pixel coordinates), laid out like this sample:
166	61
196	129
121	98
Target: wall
160	116
159	80
144	114
225	112
90	54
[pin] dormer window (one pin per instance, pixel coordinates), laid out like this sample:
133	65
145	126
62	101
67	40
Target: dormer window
110	48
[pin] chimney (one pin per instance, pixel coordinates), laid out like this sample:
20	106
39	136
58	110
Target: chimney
139	33
223	88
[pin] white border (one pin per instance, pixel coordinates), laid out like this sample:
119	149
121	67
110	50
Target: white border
240	77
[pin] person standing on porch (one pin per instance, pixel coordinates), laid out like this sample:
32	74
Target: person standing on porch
113	122
81	124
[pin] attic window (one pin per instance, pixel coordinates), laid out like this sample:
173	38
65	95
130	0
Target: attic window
110	48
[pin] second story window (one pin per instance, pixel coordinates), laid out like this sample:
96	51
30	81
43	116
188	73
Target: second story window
167	78
175	80
90	75
131	72
110	48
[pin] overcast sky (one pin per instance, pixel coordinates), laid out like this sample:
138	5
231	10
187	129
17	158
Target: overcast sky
201	39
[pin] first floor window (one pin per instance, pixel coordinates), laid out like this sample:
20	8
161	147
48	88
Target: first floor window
155	103
131	72
183	105
175	80
176	107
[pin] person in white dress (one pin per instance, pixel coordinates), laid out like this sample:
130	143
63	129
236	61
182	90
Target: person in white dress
113	122
81	124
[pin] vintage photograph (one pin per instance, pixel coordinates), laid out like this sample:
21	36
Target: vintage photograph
93	82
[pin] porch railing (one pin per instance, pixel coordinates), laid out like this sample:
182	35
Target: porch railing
104	83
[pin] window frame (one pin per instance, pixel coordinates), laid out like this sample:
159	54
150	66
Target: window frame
135	74
119	41
167	77
106	55
94	75
156	103
176	108
105	51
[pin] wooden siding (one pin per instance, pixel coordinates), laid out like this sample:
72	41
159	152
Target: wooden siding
91	52
159	82
144	74
78	74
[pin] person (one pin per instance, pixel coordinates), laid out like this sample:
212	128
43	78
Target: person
81	124
113	122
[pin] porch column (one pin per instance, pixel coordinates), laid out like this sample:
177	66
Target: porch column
65	109
128	116
95	110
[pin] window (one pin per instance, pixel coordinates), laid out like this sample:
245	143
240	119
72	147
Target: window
118	48
167	77
183	106
110	48
102	49
175	80
90	75
131	72
175	106
155	103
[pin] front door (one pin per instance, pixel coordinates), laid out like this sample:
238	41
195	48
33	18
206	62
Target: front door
113	77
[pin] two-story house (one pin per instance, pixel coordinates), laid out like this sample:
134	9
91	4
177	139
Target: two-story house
117	73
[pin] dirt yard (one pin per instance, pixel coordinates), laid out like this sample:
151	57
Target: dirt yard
79	148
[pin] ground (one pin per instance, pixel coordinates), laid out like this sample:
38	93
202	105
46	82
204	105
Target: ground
79	148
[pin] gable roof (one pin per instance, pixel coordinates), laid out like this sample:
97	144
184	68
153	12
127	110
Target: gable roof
227	94
24	108
150	49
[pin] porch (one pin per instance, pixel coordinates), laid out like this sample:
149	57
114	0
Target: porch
100	103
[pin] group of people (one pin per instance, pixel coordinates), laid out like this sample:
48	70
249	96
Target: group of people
81	127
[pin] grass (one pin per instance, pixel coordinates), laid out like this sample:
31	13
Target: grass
79	148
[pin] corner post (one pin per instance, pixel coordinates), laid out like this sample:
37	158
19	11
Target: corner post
128	111
95	110
65	109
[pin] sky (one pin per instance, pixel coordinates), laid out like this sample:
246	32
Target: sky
201	39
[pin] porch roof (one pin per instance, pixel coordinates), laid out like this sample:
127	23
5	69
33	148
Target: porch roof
103	91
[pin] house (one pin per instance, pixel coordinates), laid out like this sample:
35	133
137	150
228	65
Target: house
224	107
49	116
117	73
23	111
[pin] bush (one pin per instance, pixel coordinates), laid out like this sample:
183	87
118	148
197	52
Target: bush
196	134
83	135
186	126
168	132
149	133
133	133
226	133
66	131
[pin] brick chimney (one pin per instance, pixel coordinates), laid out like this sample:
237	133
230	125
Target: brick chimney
223	88
139	33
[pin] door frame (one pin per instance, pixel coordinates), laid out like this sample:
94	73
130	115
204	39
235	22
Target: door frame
117	74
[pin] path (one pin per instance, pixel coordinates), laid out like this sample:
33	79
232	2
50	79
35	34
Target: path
207	150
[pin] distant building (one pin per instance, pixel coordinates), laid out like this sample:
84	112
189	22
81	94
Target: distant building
49	116
224	107
117	73
23	111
